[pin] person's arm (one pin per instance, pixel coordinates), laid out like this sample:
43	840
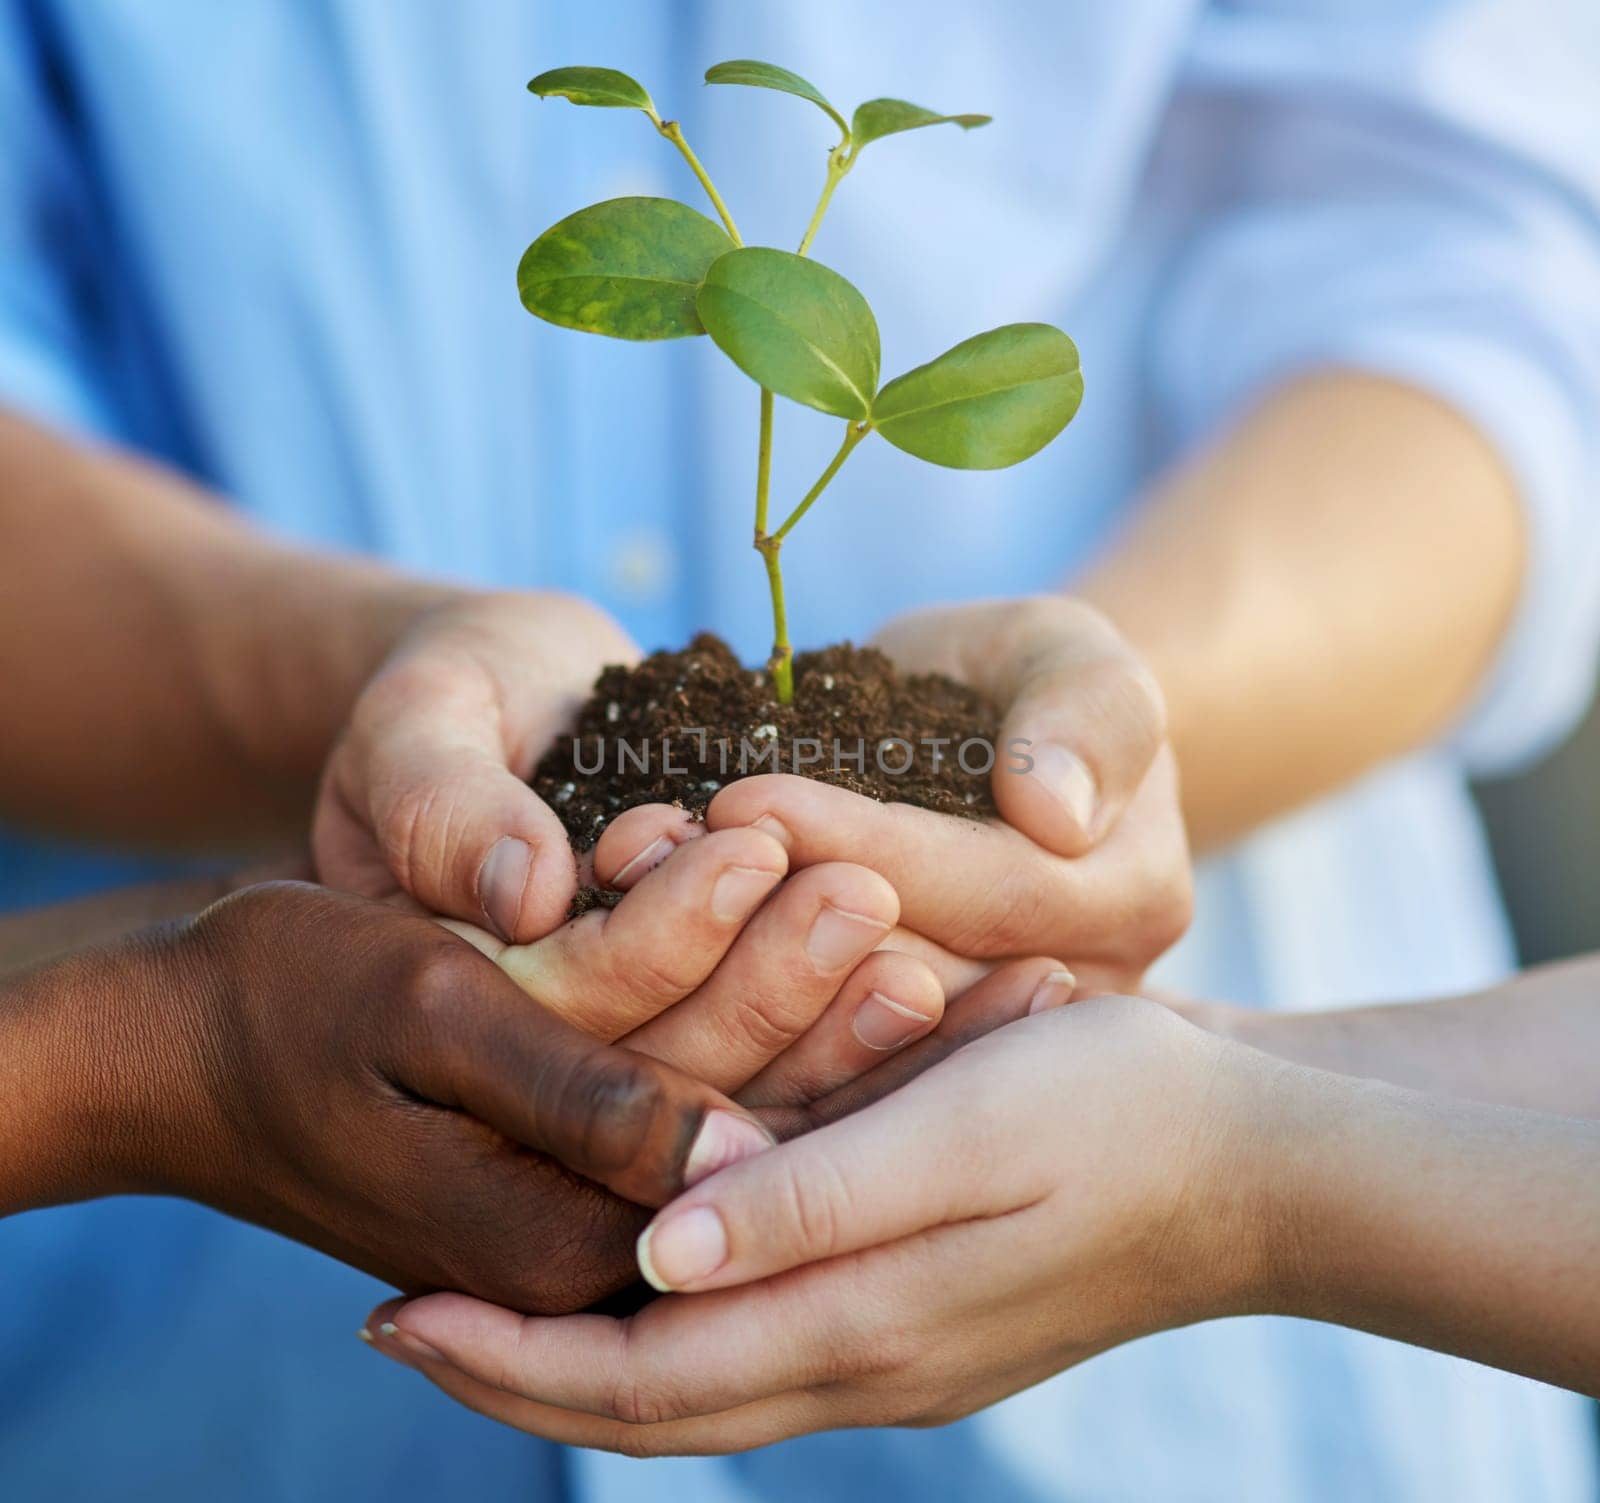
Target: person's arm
31	936
1530	1042
1320	591
356	1078
1374	358
1062	1186
175	676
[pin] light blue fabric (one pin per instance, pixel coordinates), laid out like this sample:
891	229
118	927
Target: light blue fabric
274	243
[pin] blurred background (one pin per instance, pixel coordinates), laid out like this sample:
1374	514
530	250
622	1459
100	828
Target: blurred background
1544	826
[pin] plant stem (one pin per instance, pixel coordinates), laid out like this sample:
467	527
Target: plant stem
839	163
781	664
854	433
674	133
769	545
764	463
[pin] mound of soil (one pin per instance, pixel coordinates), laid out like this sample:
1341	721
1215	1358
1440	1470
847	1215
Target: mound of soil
682	725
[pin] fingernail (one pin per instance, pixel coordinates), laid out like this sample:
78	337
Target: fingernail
740	891
501	881
409	1343
883	1024
681	1248
1054	991
365	1335
644	863
1065	776
723	1139
838	937
770	824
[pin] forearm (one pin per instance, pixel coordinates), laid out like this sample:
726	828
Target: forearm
1531	1042
172	675
1318	593
32	936
1471	1229
80	1094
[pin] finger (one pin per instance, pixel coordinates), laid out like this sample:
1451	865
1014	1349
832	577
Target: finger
1083	717
610	972
889	1002
1007	994
638	840
425	771
947	1147
983	890
955	972
493	1347
676	1360
629	1123
822	1333
1088	719
779	976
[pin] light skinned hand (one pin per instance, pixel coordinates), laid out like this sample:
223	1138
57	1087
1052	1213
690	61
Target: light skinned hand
426	792
836	1279
776	990
1091	862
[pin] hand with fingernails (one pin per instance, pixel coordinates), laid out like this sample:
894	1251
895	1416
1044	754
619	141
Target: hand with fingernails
354	1077
777	989
1056	1187
789	992
426	792
1090	862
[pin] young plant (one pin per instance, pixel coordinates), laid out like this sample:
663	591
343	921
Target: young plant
653	268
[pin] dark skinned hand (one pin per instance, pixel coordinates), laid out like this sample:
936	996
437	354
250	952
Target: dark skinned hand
361	1080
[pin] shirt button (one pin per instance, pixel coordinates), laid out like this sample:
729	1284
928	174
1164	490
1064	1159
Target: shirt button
642	566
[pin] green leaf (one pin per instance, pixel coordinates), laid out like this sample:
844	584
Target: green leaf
770	76
629	267
992	401
604	87
887	117
794	327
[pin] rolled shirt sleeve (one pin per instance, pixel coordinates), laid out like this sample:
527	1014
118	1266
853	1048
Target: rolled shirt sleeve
1413	189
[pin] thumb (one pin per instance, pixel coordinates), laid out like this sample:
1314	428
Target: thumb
631	1123
887	1172
456	827
1084	721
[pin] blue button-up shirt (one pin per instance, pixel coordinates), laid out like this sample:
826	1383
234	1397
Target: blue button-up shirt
274	243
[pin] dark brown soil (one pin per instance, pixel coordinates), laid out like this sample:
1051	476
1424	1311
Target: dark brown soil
683	725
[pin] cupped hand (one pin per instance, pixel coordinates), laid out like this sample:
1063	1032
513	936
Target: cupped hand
1057	1187
357	1078
1091	862
426	792
778	990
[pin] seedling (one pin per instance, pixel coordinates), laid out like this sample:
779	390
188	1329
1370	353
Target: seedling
653	268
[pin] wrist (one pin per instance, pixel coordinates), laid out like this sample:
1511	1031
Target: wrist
317	629
82	1101
1236	1234
1212	1215
1303	1175
1341	1041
